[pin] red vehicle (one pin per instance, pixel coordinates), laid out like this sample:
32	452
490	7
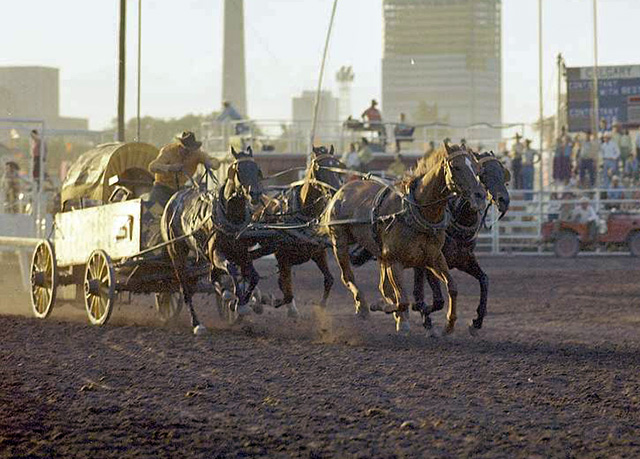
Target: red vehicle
568	238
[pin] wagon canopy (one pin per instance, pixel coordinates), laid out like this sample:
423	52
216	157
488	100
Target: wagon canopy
89	177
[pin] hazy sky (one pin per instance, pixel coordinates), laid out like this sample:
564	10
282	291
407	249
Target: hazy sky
182	49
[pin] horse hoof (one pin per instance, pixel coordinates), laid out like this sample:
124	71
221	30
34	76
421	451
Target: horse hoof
292	311
200	330
362	313
433	333
448	329
258	308
243	310
473	331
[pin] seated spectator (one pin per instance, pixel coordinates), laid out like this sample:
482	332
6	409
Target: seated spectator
397	168
402	132
351	159
230	113
365	155
585	213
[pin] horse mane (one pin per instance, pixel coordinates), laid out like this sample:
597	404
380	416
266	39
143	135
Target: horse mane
425	165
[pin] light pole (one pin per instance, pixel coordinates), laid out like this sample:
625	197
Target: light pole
121	67
540	99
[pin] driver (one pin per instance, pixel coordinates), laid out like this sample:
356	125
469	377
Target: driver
175	164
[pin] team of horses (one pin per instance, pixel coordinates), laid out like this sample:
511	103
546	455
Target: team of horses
427	220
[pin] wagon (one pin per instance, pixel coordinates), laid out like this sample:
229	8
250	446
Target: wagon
104	245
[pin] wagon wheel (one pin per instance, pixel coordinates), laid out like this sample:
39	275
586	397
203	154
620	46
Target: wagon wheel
566	245
169	305
44	279
99	287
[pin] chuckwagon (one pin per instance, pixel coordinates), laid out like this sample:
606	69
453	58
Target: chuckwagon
106	240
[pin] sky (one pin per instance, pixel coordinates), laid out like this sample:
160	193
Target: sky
284	39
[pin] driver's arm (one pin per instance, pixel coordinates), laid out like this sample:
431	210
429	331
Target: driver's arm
207	161
163	164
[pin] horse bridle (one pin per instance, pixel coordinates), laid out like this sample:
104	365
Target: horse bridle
233	169
450	183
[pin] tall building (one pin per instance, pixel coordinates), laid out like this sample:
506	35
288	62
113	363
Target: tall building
34	92
234	84
328	125
444	55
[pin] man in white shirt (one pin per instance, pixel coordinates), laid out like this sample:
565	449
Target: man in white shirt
610	155
585	213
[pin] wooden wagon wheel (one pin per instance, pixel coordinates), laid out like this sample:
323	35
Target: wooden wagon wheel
566	245
99	287
44	279
169	305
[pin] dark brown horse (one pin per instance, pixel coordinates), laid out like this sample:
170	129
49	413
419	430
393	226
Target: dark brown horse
460	242
403	225
207	223
301	203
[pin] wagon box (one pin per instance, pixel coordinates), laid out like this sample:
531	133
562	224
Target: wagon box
114	228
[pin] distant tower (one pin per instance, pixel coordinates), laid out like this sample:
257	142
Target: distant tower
345	77
234	86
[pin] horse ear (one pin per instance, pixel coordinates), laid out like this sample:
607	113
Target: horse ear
331	150
314	149
250	151
233	152
446	146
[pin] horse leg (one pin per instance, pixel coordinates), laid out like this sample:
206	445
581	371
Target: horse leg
320	259
388	303
394	273
441	270
341	252
436	291
178	257
249	273
474	269
285	283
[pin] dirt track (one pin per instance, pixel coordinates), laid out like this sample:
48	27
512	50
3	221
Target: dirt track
555	373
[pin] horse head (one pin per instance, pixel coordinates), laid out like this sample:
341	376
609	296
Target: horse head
244	177
461	175
322	165
494	176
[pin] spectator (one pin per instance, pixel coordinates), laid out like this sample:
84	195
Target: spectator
402	132
373	116
351	159
626	147
516	162
632	169
11	187
589	151
36	147
562	159
610	156
397	168
637	143
431	147
585	213
529	157
614	185
231	114
365	155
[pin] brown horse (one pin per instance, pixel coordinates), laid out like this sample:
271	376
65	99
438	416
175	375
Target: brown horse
403	226
301	203
206	223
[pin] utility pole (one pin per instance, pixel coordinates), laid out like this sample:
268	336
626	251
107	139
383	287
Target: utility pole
540	98
139	68
121	67
596	102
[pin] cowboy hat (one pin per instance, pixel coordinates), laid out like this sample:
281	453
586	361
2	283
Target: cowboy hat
188	140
